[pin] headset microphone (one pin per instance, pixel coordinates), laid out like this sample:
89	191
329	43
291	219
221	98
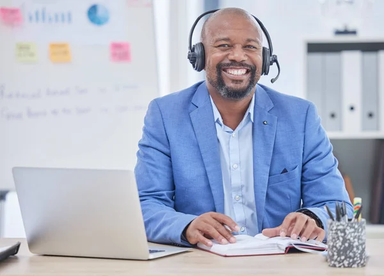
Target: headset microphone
274	60
196	53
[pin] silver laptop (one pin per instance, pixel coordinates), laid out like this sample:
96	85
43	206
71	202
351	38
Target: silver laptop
84	213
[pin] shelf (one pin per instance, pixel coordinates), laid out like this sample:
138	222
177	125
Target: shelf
360	135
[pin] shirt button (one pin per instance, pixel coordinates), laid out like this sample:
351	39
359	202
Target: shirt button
237	198
234	166
242	229
233	135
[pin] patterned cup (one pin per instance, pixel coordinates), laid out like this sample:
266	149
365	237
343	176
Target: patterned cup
346	244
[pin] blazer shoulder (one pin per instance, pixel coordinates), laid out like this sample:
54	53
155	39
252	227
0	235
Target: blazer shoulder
179	98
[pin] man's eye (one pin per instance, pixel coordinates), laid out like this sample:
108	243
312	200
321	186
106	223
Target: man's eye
251	47
223	46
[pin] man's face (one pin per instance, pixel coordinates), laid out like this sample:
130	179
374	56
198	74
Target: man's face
233	56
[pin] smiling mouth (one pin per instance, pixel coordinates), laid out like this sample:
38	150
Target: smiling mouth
236	72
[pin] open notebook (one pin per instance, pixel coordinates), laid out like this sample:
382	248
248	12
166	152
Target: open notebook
261	245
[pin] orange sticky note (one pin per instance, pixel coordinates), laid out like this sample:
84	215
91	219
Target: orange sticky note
59	52
11	16
120	52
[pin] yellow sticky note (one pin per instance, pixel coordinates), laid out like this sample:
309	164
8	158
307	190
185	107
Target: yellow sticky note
59	52
26	52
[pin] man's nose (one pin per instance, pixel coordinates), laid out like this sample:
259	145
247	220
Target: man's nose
237	53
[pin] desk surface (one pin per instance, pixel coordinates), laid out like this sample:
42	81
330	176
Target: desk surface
196	262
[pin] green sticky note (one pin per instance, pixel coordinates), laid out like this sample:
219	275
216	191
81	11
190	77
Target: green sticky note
26	52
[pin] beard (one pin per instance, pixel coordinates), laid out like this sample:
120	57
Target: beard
232	93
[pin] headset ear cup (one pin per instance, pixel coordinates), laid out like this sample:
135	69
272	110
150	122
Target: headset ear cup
192	56
200	57
266	61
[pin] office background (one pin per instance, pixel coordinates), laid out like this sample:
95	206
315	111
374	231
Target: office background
304	37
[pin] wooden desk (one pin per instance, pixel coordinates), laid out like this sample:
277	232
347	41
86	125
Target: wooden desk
195	262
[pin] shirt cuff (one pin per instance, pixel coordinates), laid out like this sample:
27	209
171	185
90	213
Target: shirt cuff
184	234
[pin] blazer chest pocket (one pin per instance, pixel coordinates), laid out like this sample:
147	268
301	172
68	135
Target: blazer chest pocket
279	178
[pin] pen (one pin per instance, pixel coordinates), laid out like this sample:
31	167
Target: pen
329	212
345	211
338	215
341	210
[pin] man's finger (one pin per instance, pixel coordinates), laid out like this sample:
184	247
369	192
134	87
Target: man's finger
313	236
210	229
300	223
321	235
227	233
223	219
310	227
287	223
200	238
289	231
272	232
223	236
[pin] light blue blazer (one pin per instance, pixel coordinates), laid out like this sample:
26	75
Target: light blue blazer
178	170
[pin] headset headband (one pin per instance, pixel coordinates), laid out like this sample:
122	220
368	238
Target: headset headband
213	11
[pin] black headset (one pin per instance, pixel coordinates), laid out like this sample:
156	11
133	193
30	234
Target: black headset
196	53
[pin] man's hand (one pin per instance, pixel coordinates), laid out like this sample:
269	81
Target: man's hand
297	224
211	225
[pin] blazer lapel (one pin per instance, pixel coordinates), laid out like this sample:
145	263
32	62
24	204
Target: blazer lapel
264	131
205	130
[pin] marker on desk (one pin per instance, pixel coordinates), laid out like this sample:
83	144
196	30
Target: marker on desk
356	207
357	217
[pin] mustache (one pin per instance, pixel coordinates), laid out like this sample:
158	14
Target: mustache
236	64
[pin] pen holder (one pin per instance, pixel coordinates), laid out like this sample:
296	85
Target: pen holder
346	243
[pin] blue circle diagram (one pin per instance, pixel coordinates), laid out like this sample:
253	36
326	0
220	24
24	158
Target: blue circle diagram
98	14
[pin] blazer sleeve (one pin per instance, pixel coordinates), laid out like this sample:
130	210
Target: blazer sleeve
155	182
322	183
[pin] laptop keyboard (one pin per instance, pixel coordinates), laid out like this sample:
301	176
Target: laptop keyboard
155	251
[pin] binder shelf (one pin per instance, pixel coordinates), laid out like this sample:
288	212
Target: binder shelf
345	80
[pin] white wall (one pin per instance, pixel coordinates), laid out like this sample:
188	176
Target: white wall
13	224
161	14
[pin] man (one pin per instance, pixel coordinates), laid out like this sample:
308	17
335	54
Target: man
229	156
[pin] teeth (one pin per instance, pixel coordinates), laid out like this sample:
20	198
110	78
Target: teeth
236	72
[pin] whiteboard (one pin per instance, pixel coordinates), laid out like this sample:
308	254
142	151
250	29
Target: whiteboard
86	113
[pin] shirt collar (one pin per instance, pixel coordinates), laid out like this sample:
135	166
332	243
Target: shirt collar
249	113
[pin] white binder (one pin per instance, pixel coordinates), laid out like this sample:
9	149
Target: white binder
332	92
380	71
369	108
351	91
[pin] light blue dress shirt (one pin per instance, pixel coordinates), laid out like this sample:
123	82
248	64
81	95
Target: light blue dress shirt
236	157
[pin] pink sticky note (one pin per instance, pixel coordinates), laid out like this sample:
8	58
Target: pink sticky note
11	15
120	52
